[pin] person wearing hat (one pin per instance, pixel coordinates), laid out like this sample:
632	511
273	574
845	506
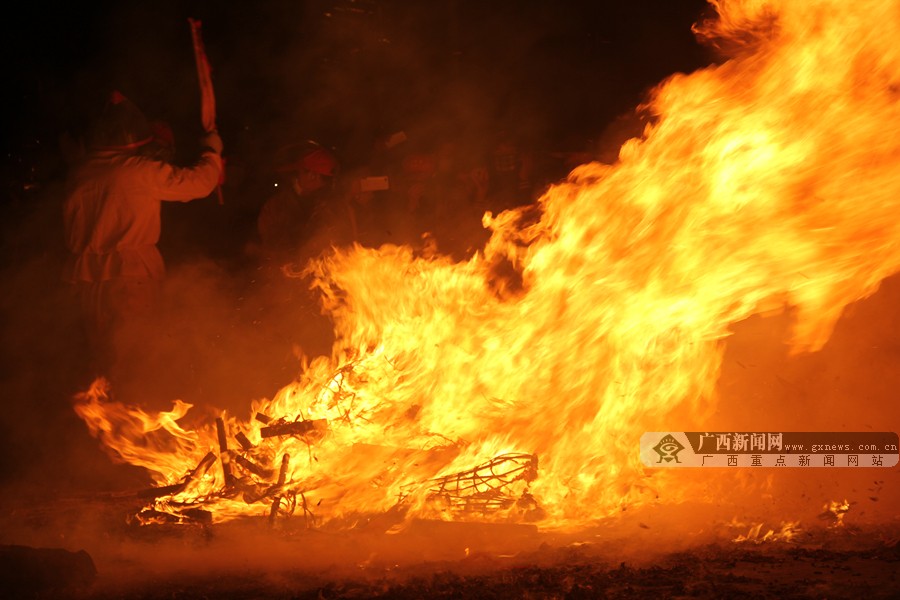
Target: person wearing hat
112	219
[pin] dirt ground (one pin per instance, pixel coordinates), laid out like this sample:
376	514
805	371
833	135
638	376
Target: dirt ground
435	560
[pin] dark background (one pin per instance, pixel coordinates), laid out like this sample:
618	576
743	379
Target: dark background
340	71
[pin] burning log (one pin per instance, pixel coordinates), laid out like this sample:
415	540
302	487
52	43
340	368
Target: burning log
315	426
244	441
223	451
191	516
254	468
282	474
171	490
291	499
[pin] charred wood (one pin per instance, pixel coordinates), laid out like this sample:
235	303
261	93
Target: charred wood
222	434
282	477
170	490
254	468
294	428
244	441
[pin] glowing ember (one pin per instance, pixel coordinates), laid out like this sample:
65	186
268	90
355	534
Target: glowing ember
786	533
770	179
833	512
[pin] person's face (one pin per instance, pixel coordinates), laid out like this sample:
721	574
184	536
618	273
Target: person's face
308	181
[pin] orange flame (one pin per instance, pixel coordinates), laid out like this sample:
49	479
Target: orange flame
787	532
770	179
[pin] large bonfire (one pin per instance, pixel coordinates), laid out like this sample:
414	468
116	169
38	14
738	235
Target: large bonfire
453	392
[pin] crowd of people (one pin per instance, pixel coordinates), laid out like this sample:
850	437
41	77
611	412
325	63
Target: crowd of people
404	190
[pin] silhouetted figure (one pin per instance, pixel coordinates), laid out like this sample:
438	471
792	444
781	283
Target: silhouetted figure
112	220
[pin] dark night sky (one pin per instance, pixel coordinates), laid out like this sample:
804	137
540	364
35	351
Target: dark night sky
342	71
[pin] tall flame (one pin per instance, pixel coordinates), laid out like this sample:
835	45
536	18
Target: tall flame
770	179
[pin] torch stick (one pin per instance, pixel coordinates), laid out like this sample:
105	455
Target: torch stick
282	477
207	96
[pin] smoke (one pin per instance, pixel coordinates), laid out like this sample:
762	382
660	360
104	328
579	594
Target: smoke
222	338
848	385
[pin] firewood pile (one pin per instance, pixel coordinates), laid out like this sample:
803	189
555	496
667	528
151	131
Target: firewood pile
250	475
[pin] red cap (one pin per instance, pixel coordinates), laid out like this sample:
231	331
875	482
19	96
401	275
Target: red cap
318	160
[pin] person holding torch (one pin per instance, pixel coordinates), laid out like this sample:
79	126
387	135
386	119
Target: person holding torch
112	220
